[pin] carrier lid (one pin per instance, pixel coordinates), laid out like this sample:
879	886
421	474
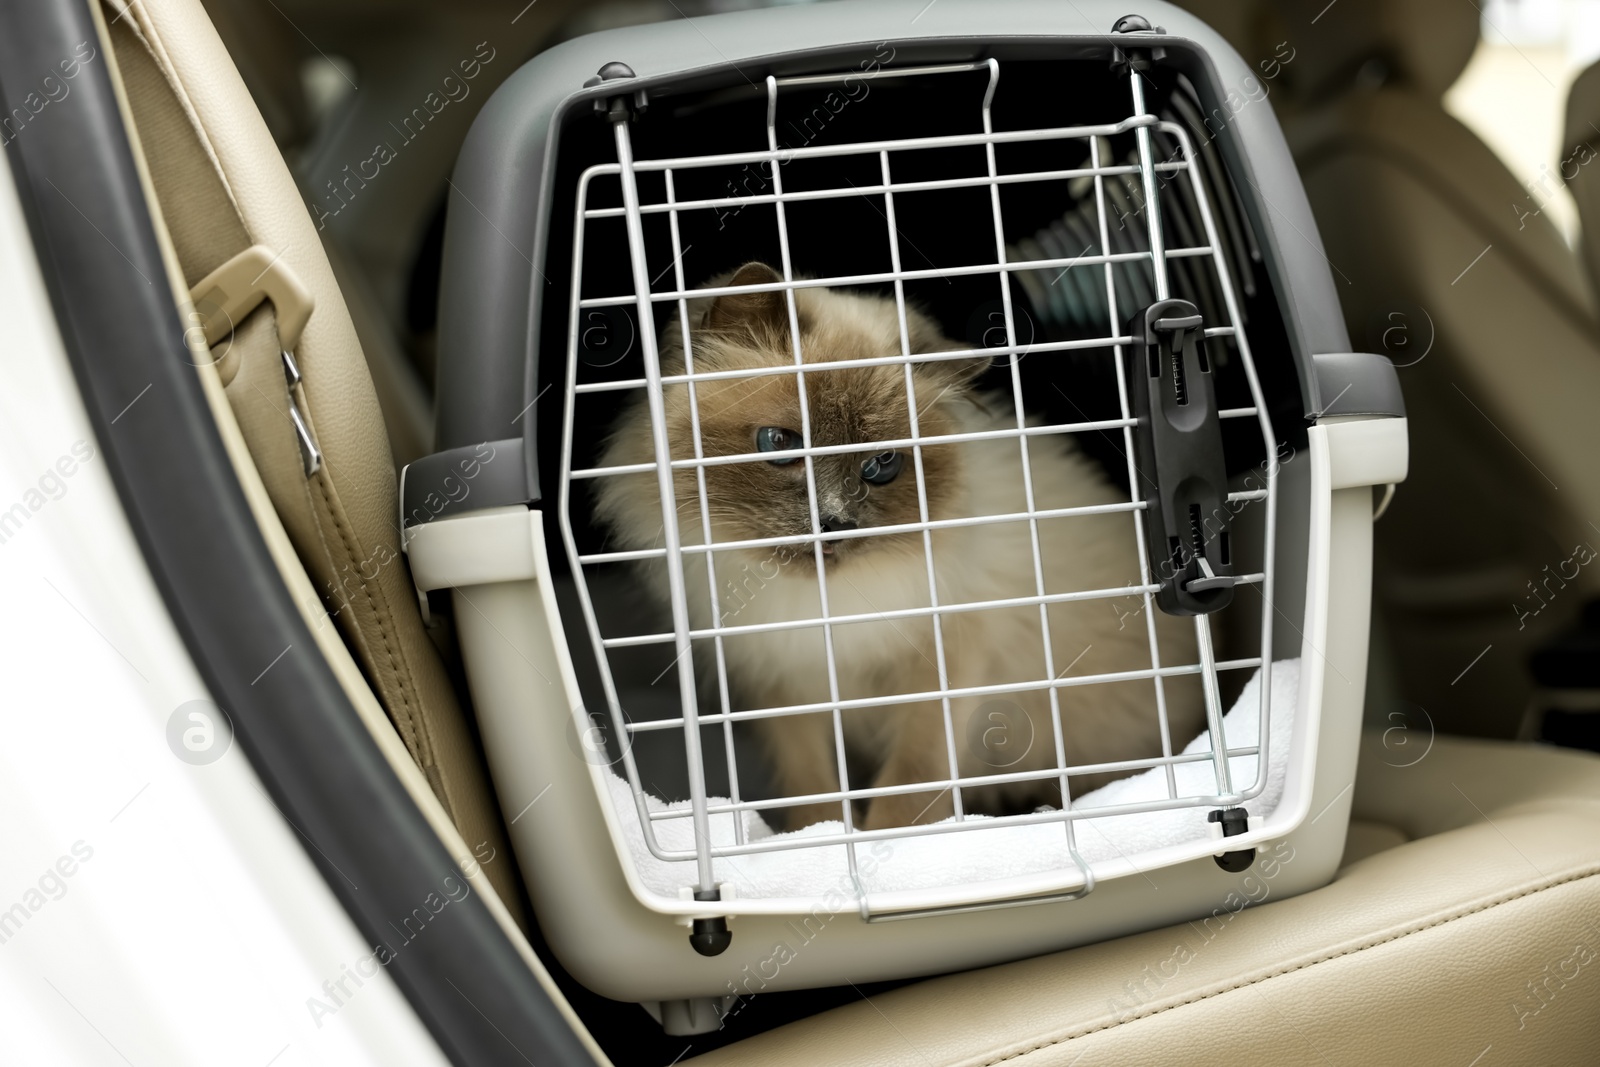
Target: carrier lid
503	193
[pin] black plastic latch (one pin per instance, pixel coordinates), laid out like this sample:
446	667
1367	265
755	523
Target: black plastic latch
710	937
1235	821
1140	59
1178	459
621	107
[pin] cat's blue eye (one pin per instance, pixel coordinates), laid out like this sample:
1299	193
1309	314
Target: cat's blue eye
777	439
882	468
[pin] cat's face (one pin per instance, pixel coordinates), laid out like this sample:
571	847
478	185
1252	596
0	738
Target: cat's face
864	488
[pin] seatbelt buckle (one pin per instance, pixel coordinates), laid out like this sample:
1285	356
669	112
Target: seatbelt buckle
228	294
224	297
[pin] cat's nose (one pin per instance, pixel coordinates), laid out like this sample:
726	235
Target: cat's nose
834	524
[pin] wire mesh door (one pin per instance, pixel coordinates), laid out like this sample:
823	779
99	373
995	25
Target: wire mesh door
1190	573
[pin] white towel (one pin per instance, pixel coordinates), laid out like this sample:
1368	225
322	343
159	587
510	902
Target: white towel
981	855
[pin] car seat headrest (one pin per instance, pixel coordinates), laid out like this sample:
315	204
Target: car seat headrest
1422	44
1579	147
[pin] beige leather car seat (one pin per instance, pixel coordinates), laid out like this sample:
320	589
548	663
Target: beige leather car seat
404	401
1470	937
223	188
1443	263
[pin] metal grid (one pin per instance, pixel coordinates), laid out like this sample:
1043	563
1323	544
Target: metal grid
1181	164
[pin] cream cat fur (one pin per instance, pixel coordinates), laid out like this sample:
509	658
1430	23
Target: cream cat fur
906	743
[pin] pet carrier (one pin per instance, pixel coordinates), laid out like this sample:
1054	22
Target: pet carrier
1102	208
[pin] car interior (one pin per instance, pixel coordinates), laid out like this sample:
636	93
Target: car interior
1464	909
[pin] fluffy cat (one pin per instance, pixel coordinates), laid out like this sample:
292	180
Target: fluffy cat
898	744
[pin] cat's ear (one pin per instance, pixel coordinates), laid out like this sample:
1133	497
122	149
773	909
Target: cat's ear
757	313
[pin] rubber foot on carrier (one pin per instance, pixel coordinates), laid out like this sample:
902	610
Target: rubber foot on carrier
1234	821
711	937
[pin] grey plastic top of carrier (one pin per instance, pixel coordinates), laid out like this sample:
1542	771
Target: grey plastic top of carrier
500	201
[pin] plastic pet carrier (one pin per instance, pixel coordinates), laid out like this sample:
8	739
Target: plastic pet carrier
1086	224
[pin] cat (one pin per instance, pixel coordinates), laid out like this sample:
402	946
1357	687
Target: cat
907	743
